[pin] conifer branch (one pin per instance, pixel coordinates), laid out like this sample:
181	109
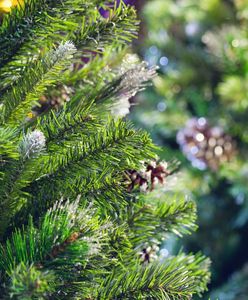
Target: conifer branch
120	28
110	142
91	33
110	93
102	189
8	148
40	18
29	282
66	237
18	175
82	158
88	248
18	101
63	224
116	95
65	125
172	279
174	214
86	159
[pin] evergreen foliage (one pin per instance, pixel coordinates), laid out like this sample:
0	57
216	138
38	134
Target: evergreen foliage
69	227
199	102
234	288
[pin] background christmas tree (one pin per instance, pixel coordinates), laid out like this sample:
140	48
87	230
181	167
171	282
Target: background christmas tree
198	109
79	218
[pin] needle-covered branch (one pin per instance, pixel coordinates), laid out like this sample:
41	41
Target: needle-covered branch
66	235
157	218
172	279
18	101
90	32
61	136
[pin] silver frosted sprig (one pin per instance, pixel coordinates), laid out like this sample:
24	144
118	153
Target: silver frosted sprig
131	82
136	78
64	50
32	144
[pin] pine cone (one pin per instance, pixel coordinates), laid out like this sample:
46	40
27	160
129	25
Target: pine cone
53	99
149	254
205	146
146	179
57	97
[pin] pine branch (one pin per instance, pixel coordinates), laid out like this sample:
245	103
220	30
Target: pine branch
64	249
64	239
113	142
127	85
84	157
113	91
61	225
8	147
64	125
173	279
20	98
85	27
91	79
119	29
28	246
155	217
39	18
17	175
28	282
102	189
94	70
18	23
87	157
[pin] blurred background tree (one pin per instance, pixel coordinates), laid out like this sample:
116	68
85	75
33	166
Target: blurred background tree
198	110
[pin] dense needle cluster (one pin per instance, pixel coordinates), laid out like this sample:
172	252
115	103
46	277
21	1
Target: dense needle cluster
69	229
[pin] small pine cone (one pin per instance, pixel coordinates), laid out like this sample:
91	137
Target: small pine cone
55	98
159	171
136	179
205	146
152	174
60	96
149	254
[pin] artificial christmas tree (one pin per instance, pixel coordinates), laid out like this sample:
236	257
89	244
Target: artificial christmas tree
70	226
198	109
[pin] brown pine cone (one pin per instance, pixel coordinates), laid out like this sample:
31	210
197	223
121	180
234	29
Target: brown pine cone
205	146
149	254
55	98
153	173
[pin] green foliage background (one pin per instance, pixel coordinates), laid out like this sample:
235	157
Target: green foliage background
202	50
